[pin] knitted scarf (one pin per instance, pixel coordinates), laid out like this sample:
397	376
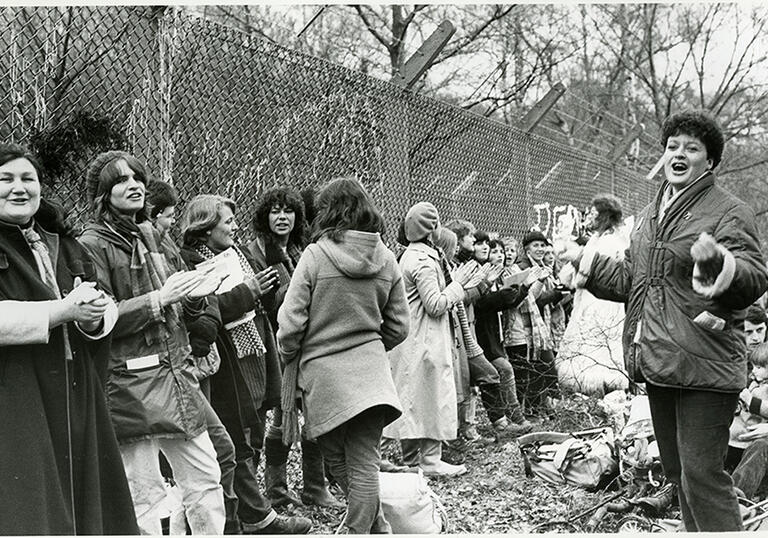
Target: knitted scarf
148	270
245	336
470	343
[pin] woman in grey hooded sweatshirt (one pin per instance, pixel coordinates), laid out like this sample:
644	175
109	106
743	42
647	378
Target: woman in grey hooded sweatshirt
344	309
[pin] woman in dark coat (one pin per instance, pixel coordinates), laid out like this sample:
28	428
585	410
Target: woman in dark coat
60	470
280	223
692	268
248	380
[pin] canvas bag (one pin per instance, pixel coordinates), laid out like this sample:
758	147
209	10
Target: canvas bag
410	505
584	459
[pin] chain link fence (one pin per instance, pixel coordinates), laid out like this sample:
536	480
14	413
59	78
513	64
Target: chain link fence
216	111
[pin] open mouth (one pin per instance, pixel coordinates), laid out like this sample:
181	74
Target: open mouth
135	196
679	167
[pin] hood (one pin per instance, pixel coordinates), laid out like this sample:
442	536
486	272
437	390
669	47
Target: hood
98	230
358	255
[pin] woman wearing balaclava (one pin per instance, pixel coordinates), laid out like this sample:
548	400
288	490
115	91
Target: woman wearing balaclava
422	366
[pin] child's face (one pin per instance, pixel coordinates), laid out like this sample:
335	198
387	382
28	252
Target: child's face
511	255
760	373
549	257
496	255
481	251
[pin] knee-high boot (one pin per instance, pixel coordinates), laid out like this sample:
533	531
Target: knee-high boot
275	481
315	486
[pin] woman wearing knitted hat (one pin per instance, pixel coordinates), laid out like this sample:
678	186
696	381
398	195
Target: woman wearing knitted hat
154	400
422	366
336	357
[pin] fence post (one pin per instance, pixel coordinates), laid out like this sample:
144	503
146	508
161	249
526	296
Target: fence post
422	59
166	36
539	110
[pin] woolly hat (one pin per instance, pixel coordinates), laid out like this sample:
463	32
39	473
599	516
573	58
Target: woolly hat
93	175
420	221
534	235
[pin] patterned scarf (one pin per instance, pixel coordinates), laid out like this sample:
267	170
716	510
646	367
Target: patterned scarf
245	336
148	270
541	334
45	268
470	343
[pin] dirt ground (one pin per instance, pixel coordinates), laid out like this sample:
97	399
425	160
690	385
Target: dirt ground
495	496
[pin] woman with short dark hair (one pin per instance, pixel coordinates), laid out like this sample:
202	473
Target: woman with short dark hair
336	358
693	266
60	470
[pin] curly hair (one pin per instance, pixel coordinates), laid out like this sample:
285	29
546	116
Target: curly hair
343	204
461	228
201	215
700	124
281	197
609	212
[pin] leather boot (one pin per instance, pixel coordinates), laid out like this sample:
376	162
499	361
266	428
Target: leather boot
315	486
432	465
410	449
275	480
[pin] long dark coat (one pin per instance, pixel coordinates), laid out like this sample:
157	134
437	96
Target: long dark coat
35	445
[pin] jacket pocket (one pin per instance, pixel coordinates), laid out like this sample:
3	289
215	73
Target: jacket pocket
142	402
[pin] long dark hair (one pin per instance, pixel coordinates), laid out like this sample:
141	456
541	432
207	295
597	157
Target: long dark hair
609	212
103	175
343	204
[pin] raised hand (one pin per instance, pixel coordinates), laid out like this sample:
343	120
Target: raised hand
179	285
708	259
465	272
494	272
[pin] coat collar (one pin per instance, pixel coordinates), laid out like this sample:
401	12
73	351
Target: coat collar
424	248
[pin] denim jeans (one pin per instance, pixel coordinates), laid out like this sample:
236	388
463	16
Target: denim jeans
691	428
353	453
508	390
195	471
751	466
225	454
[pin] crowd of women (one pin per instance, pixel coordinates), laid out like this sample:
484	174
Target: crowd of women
129	360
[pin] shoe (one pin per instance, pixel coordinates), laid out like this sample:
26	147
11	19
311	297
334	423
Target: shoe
387	466
520	428
506	431
277	486
470	434
281	525
443	468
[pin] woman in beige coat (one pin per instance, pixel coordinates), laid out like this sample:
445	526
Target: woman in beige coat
422	366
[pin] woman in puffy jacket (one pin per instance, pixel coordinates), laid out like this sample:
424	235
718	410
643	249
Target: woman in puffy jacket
692	268
154	400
